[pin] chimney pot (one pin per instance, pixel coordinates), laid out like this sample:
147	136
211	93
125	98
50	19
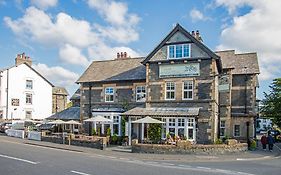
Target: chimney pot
125	54
193	33
118	55
122	55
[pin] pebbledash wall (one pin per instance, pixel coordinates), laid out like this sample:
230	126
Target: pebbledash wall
14	90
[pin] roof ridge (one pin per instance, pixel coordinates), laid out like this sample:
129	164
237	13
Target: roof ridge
118	59
228	50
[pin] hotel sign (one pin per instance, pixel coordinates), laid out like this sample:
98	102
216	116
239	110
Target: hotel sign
224	83
179	70
15	102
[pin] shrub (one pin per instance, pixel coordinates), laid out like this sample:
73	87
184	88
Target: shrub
108	132
218	141
94	132
154	132
253	144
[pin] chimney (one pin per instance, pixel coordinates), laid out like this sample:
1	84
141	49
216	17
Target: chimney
198	36
193	33
21	58
122	55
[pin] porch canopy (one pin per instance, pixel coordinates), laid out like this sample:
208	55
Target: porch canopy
138	111
156	112
98	119
73	123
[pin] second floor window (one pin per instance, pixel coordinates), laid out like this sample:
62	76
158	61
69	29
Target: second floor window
170	91
109	94
140	93
188	90
29	84
179	51
28	98
28	114
236	130
222	128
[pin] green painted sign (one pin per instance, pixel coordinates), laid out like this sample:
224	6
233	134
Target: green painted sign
179	70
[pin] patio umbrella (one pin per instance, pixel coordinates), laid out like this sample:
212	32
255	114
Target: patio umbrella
98	119
144	120
73	122
58	122
147	119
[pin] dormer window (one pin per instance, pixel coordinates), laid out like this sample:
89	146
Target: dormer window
179	51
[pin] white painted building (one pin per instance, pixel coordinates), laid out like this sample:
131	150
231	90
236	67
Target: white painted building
24	93
264	124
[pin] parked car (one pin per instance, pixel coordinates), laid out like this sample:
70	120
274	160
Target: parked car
275	134
4	126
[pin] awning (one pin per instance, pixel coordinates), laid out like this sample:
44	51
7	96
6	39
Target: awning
98	119
147	119
138	111
72	122
57	122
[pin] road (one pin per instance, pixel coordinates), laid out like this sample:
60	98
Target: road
24	159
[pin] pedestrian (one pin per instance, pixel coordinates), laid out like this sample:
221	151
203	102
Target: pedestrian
263	141
270	141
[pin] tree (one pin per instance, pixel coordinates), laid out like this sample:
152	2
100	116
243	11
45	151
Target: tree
271	105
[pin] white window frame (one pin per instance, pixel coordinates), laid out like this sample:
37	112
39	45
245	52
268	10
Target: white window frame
187	90
182	51
27	116
142	94
191	125
170	91
222	127
26	99
108	94
234	131
28	86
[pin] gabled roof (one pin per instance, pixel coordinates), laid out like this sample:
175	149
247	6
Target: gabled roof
59	91
31	69
244	63
188	35
76	95
114	70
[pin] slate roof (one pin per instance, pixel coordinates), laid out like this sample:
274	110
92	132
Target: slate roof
238	62
76	95
138	111
59	91
4	69
114	70
72	113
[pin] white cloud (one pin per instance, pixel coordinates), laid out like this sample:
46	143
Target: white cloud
256	31
44	4
102	51
3	2
57	75
122	26
196	15
40	27
73	55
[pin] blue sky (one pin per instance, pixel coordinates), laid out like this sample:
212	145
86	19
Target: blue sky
63	37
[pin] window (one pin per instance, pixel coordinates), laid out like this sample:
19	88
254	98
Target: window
109	94
191	129
170	91
28	98
1	114
179	51
236	130
140	94
164	128
116	125
28	114
188	90
172	122
181	122
29	84
222	128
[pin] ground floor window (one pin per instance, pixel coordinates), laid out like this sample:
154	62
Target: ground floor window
236	130
222	128
107	128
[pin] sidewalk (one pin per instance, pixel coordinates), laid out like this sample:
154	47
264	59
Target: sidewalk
121	152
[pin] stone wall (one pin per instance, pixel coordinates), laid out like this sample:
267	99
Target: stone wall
193	149
92	144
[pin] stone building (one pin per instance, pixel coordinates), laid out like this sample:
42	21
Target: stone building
59	97
237	87
177	83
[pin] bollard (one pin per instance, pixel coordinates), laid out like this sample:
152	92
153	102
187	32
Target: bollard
69	140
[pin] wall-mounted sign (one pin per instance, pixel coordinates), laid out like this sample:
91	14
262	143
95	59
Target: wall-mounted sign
224	83
179	70
15	102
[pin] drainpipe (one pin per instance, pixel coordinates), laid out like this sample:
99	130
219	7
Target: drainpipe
90	109
246	79
7	97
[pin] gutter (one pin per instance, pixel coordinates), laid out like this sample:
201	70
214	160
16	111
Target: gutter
7	93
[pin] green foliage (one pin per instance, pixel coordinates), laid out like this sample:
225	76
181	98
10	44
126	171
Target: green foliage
108	132
154	132
253	145
271	105
114	138
219	141
123	126
69	104
94	132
